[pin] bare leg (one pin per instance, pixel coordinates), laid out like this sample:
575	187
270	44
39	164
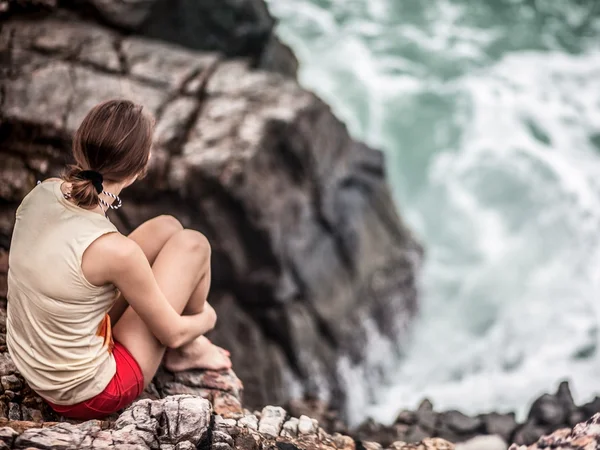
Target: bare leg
151	236
181	268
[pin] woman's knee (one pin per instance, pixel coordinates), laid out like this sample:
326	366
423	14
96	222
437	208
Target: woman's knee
194	242
166	225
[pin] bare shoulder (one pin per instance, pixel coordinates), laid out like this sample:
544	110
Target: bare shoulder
118	249
110	255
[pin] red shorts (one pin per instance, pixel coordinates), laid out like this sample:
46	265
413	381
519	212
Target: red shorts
121	391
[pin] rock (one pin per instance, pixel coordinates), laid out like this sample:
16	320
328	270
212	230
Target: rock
162	63
187	419
565	398
426	417
426	444
248	441
445	432
306	241
159	424
502	425
14	411
425	405
461	423
271	421
306	426
130	15
7	367
175	422
312	407
14	186
278	57
576	417
416	434
227	426
31	414
344	442
547	410
8	435
371	445
585	435
372	431
227	405
186	446
11	382
220	437
235	28
592	407
407	417
528	433
290	428
401	431
483	443
248	421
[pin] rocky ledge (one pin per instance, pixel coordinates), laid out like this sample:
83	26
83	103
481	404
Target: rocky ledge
311	263
186	422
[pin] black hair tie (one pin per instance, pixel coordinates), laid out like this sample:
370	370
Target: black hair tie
95	177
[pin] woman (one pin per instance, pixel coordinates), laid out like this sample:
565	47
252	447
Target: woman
75	282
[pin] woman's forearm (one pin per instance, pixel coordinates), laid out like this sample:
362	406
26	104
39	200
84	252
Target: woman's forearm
193	326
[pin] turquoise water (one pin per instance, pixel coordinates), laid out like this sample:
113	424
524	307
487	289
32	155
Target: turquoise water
489	114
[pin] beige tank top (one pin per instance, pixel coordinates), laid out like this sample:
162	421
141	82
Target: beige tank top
58	331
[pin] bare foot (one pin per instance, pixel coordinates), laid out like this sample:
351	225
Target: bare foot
199	354
227	352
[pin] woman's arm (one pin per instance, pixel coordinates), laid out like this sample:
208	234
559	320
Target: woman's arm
128	269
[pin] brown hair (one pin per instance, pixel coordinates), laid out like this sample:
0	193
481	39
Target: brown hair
113	139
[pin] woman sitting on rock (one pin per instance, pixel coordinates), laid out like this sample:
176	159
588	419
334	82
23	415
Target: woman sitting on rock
75	282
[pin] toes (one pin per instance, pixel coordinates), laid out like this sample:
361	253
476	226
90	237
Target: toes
226	362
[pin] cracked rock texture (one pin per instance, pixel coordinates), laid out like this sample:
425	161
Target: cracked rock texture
234	28
185	422
310	258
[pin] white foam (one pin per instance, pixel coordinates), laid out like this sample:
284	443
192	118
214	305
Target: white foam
527	293
511	287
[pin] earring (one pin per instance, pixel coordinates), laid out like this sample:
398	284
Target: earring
116	197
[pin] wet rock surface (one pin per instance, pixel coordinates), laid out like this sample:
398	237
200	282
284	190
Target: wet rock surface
584	436
307	246
548	413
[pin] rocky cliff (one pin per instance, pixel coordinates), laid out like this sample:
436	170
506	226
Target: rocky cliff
310	260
